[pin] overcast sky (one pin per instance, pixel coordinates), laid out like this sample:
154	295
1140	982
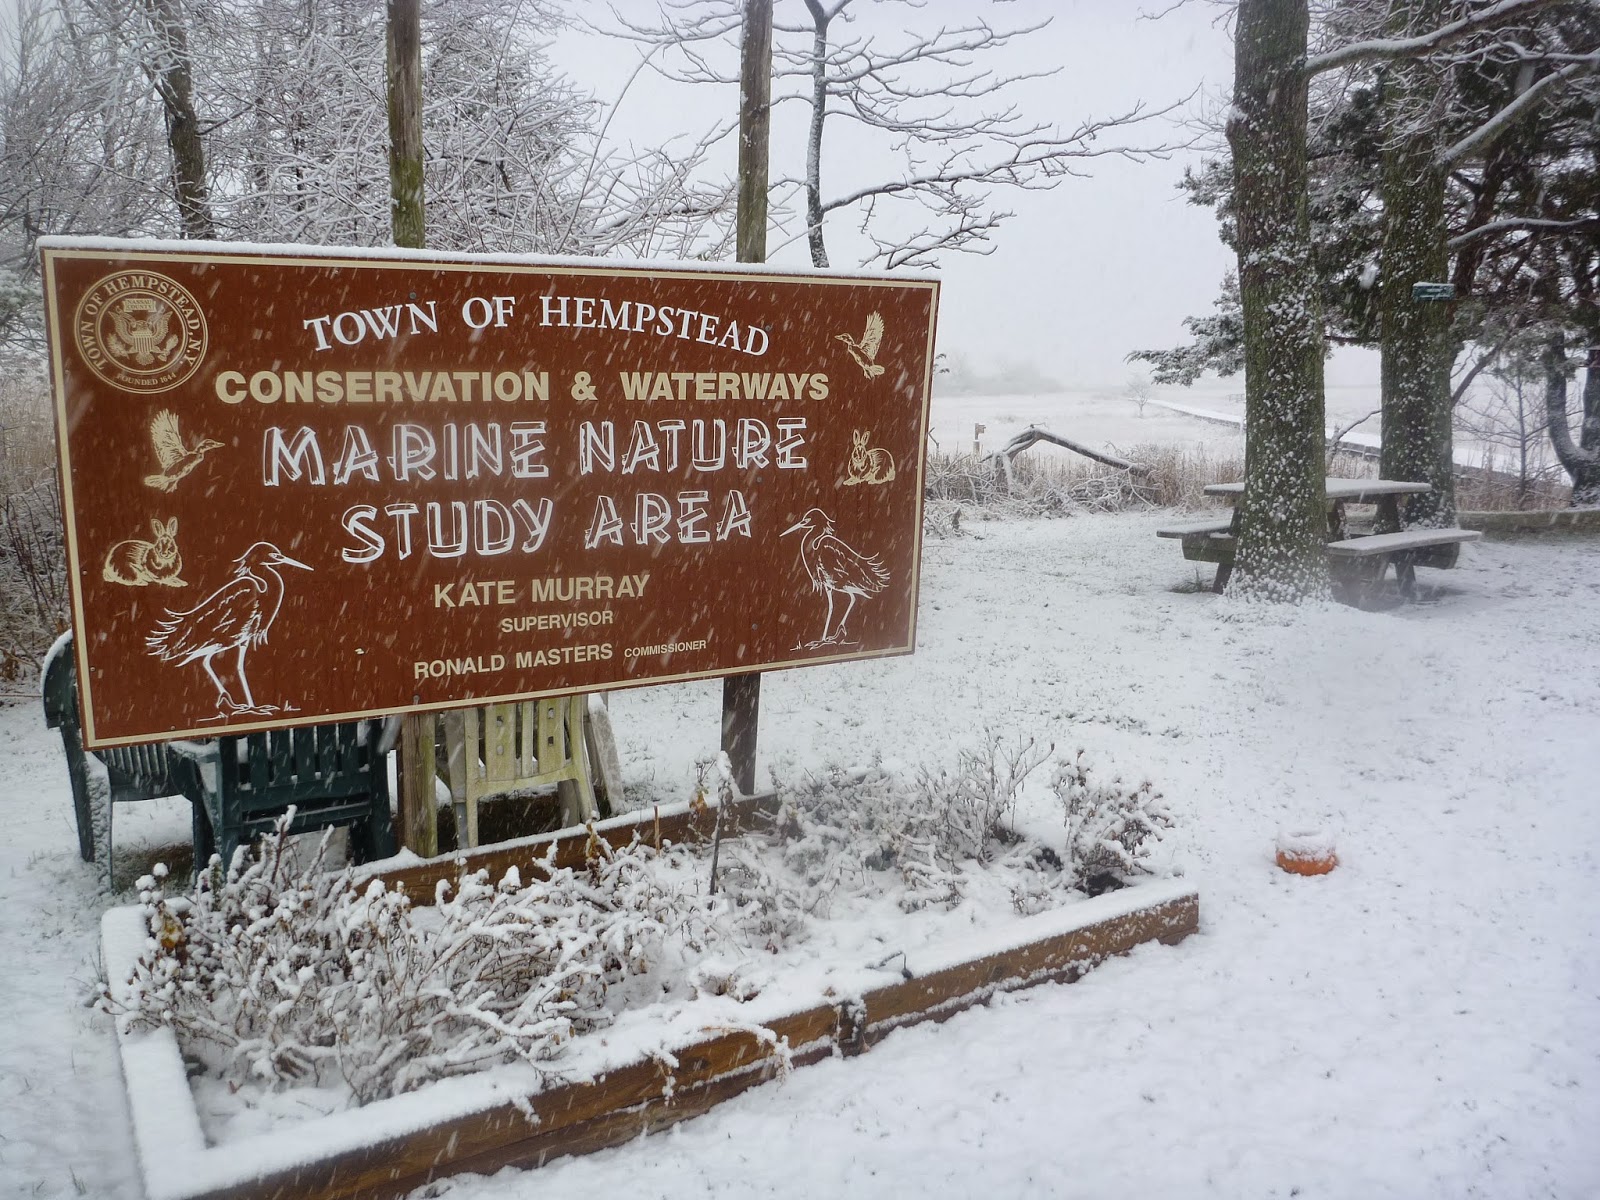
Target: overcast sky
1082	274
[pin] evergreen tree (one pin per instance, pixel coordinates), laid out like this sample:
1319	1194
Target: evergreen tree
1449	141
1282	521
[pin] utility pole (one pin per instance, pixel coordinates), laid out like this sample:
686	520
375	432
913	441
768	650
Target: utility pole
741	694
419	827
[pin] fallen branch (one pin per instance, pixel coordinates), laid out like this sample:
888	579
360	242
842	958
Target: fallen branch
1336	438
1033	434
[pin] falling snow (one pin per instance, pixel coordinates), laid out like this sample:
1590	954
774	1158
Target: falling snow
1417	1023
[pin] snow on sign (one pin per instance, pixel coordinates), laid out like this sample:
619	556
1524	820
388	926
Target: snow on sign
303	484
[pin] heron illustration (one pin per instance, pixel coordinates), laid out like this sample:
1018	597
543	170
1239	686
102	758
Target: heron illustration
834	568
176	459
235	617
866	350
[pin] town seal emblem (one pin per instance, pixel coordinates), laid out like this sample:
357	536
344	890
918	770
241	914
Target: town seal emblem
140	331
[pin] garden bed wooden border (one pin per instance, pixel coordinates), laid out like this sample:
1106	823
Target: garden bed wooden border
393	1146
679	823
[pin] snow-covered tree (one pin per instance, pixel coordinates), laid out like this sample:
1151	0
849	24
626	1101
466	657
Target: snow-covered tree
1282	521
512	162
1451	141
81	145
1580	456
1507	416
265	120
168	63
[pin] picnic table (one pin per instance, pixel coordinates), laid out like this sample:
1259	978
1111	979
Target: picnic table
1358	557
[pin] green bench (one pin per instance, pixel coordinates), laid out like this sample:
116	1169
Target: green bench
238	786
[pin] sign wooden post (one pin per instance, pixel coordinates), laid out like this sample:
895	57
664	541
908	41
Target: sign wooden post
741	694
418	812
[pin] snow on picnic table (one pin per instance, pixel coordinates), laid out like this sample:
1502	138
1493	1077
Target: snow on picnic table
1423	1022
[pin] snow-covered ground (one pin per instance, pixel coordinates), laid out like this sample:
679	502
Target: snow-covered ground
1423	1022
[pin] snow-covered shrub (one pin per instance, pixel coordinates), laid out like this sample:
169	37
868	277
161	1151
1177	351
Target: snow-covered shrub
292	974
280	973
874	832
974	806
1050	484
941	518
1113	828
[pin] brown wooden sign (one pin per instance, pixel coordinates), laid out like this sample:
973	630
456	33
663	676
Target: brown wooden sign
302	486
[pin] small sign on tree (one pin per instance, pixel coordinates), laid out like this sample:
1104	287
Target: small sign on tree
1423	293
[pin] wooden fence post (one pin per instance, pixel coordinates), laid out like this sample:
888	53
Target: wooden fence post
741	694
419	818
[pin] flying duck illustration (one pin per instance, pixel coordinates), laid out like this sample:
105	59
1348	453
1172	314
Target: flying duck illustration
866	350
835	568
176	459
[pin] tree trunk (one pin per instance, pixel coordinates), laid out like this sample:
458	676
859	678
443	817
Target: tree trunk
1033	434
1418	349
404	44
819	111
1283	521
175	87
1581	460
1589	436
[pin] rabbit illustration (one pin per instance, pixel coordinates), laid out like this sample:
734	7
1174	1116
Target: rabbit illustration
135	562
868	465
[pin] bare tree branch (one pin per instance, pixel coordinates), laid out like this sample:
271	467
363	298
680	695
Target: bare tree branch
953	134
1485	134
1485	360
1507	224
1390	49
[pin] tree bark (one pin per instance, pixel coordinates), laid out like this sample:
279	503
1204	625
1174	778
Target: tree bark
1283	520
1590	434
404	44
174	84
1417	347
1581	460
819	112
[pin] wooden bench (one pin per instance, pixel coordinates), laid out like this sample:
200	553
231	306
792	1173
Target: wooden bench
1207	541
1358	564
237	785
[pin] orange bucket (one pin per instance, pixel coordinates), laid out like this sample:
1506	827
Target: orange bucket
1306	852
